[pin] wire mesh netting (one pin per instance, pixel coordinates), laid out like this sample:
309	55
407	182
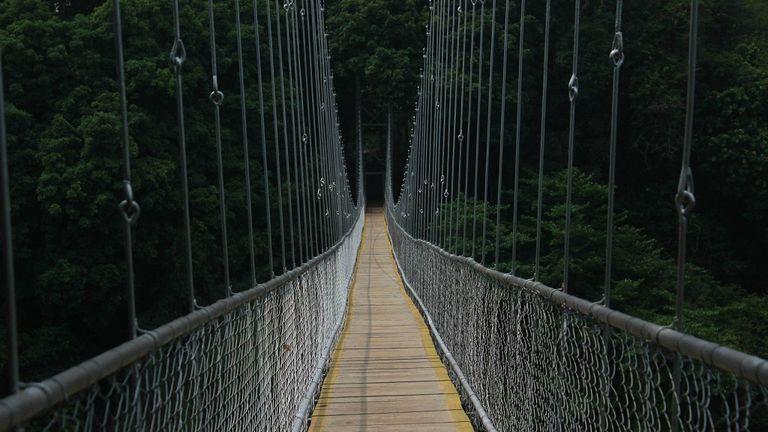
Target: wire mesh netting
247	369
538	365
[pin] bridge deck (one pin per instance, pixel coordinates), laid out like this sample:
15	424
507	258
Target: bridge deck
385	374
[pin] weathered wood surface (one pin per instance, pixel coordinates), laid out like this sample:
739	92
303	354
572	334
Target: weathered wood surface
385	374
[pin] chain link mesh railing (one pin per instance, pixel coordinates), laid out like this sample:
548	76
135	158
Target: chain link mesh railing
526	356
539	359
251	362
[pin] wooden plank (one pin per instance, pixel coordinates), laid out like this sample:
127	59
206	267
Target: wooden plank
420	427
385	374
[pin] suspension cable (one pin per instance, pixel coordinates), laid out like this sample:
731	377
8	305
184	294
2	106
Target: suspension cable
617	59
573	92
501	128
288	6
279	38
217	97
265	167
129	207
542	141
477	125
469	140
518	133
488	129
177	57
685	199
460	137
244	124
276	133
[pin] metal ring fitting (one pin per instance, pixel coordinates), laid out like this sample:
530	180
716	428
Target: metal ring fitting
178	53
129	208
685	200
573	87
617	51
217	97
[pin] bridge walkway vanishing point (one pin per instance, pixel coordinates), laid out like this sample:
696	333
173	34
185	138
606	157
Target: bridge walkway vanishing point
385	374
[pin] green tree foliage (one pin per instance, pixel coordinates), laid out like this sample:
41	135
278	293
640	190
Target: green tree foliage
62	114
66	169
728	238
643	282
378	43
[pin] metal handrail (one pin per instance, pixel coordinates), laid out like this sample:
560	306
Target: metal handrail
742	365
39	398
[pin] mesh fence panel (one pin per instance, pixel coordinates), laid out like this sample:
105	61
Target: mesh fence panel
537	365
246	370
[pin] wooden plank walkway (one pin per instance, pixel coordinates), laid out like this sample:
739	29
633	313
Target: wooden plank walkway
385	374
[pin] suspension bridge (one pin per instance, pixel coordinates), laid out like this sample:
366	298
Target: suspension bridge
382	319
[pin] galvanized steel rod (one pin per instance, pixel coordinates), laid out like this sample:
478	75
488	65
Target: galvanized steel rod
428	130
450	192
307	170
177	57
488	129
685	198
542	142
442	127
448	135
477	126
129	208
320	142
217	97
440	107
443	133
246	161
313	134
573	92
279	38
309	205
617	58
431	150
501	128
457	198
469	135
301	227
277	139
262	129
518	134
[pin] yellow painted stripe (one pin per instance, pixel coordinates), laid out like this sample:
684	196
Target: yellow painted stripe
331	377
444	389
449	390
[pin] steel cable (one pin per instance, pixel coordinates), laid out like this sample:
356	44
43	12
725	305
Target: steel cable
177	57
217	97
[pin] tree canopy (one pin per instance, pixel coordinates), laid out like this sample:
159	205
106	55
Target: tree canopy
63	137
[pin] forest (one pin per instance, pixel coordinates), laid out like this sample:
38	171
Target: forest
64	148
726	300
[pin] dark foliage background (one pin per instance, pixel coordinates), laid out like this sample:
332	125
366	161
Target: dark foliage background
726	298
62	115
